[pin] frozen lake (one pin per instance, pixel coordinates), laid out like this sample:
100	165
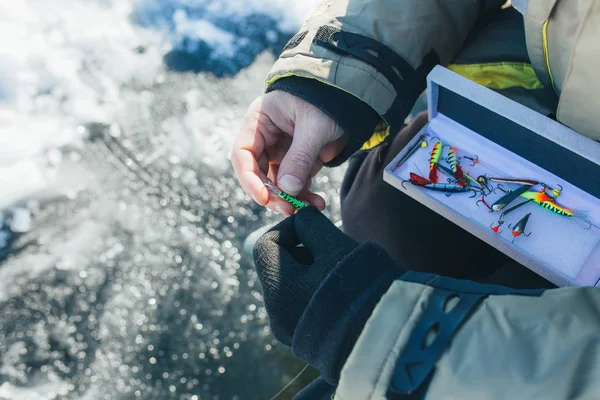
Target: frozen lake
121	273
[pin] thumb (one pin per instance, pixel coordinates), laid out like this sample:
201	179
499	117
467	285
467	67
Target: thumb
311	133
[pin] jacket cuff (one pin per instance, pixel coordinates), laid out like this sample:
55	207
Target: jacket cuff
356	118
337	312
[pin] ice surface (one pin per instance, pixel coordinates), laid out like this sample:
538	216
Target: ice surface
130	282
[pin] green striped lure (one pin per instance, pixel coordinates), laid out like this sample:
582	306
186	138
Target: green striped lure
289	198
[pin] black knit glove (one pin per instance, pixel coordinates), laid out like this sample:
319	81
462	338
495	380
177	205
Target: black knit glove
291	274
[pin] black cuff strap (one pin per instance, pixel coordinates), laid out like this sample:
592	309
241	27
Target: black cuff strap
417	361
408	82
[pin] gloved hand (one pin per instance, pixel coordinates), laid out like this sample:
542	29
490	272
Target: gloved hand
291	274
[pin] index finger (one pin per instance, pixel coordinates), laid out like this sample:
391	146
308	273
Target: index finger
257	132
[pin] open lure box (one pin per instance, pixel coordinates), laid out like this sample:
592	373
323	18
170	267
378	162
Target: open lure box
510	141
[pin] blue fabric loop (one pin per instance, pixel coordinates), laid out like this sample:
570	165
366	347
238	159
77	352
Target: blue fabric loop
418	360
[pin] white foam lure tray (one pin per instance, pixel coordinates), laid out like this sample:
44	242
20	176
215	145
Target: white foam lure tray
511	141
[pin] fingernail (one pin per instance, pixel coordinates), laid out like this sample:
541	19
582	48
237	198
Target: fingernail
256	200
279	210
291	184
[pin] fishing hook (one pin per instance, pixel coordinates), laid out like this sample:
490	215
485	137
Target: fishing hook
555	192
474	160
482	200
483	181
495	229
510	227
501	187
524	234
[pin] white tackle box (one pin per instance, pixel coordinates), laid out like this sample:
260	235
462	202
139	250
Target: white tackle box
511	141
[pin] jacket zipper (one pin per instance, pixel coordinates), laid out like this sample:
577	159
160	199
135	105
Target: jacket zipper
546	55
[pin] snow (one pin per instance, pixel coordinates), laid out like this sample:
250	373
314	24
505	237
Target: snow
61	67
20	221
67	67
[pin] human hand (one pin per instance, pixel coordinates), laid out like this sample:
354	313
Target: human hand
287	140
290	274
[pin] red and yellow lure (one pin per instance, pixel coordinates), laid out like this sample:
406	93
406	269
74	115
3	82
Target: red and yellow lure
455	166
436	154
547	202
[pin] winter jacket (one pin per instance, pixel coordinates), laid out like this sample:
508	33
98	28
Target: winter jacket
425	336
380	51
421	336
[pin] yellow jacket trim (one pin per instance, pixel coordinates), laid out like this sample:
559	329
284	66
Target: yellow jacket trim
501	75
546	54
378	136
376	139
287	75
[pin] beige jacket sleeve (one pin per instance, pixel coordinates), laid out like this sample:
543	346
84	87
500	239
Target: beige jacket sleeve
543	345
412	29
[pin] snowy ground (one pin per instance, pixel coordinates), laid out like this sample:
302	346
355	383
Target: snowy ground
120	221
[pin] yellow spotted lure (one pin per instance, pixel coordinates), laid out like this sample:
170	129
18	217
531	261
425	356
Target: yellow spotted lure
298	204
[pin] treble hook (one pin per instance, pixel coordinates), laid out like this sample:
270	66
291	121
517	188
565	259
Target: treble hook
482	200
403	182
495	228
524	234
474	160
589	222
500	186
555	192
483	181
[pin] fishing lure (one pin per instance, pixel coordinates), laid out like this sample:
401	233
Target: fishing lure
448	171
289	198
547	202
474	160
495	228
411	151
519	181
509	197
555	192
455	166
483	181
418	180
473	181
506	212
436	154
519	228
